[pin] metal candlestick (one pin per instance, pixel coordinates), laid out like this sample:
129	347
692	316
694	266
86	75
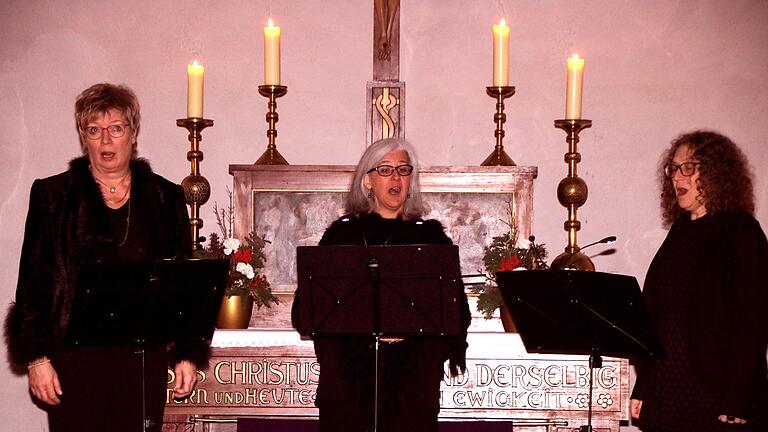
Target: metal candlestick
271	156
572	193
197	190
499	157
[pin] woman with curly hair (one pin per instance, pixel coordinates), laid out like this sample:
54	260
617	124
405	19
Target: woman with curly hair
707	291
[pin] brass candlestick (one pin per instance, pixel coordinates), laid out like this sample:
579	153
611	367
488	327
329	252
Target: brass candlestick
572	193
499	157
197	190
271	156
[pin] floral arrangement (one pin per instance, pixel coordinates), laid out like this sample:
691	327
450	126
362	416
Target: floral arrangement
246	258
506	253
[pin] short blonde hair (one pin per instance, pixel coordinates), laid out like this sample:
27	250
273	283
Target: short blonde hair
100	98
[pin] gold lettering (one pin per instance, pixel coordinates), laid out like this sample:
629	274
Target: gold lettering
250	396
241	372
217	373
263	396
274	368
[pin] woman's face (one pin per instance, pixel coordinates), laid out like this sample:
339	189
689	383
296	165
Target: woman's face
108	154
390	192
689	197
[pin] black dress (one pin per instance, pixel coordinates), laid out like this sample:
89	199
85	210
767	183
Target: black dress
707	292
410	371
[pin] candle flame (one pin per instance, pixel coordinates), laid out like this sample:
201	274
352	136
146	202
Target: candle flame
503	22
270	23
575	56
195	63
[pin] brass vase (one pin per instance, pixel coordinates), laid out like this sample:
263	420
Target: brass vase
235	312
506	320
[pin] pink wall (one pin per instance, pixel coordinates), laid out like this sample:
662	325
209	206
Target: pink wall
653	69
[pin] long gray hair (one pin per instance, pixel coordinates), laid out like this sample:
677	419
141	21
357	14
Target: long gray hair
357	200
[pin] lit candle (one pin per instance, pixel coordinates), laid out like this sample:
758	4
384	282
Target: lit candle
195	90
271	54
574	88
500	54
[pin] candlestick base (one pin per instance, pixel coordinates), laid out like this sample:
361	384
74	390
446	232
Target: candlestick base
572	261
271	156
499	156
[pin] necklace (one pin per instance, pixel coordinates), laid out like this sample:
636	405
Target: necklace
112	189
127	225
117	201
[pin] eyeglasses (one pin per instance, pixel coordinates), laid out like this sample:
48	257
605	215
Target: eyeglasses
115	131
387	170
686	168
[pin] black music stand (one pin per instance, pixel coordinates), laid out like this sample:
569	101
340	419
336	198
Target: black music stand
143	303
580	312
378	291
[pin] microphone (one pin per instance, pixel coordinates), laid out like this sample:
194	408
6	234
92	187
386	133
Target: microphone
605	240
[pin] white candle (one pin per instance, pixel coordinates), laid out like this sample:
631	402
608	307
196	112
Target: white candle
271	54
195	73
574	88
500	54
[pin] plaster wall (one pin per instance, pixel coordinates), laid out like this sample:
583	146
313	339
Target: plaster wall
654	69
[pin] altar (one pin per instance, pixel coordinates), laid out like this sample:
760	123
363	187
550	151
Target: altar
269	372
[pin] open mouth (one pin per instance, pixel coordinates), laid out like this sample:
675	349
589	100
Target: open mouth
681	191
107	155
395	190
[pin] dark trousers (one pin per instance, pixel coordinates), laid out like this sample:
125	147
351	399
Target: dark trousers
408	391
102	389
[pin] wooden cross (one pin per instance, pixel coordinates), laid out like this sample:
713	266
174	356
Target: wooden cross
386	93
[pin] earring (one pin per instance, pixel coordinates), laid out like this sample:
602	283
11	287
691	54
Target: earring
370	193
408	196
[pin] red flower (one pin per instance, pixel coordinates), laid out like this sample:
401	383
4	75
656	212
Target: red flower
511	263
243	255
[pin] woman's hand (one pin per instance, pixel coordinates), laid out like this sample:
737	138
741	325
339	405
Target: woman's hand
634	408
44	384
186	377
731	419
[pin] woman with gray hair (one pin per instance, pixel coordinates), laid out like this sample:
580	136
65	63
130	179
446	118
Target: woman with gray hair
384	208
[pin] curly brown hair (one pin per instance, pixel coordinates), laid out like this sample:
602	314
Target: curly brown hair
725	181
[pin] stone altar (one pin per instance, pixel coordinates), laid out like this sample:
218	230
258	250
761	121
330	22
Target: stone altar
268	371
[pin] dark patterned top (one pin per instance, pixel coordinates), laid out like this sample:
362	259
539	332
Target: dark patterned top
707	292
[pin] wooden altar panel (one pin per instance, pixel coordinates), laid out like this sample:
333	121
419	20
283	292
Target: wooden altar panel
294	204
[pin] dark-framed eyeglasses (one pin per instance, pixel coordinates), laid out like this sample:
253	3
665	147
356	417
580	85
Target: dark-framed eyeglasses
114	130
387	170
686	168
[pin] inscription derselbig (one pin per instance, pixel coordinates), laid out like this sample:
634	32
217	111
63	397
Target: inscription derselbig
291	382
531	384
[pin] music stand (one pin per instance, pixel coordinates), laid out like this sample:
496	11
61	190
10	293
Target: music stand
580	312
141	303
378	291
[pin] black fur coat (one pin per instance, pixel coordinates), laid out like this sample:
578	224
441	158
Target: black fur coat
66	217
